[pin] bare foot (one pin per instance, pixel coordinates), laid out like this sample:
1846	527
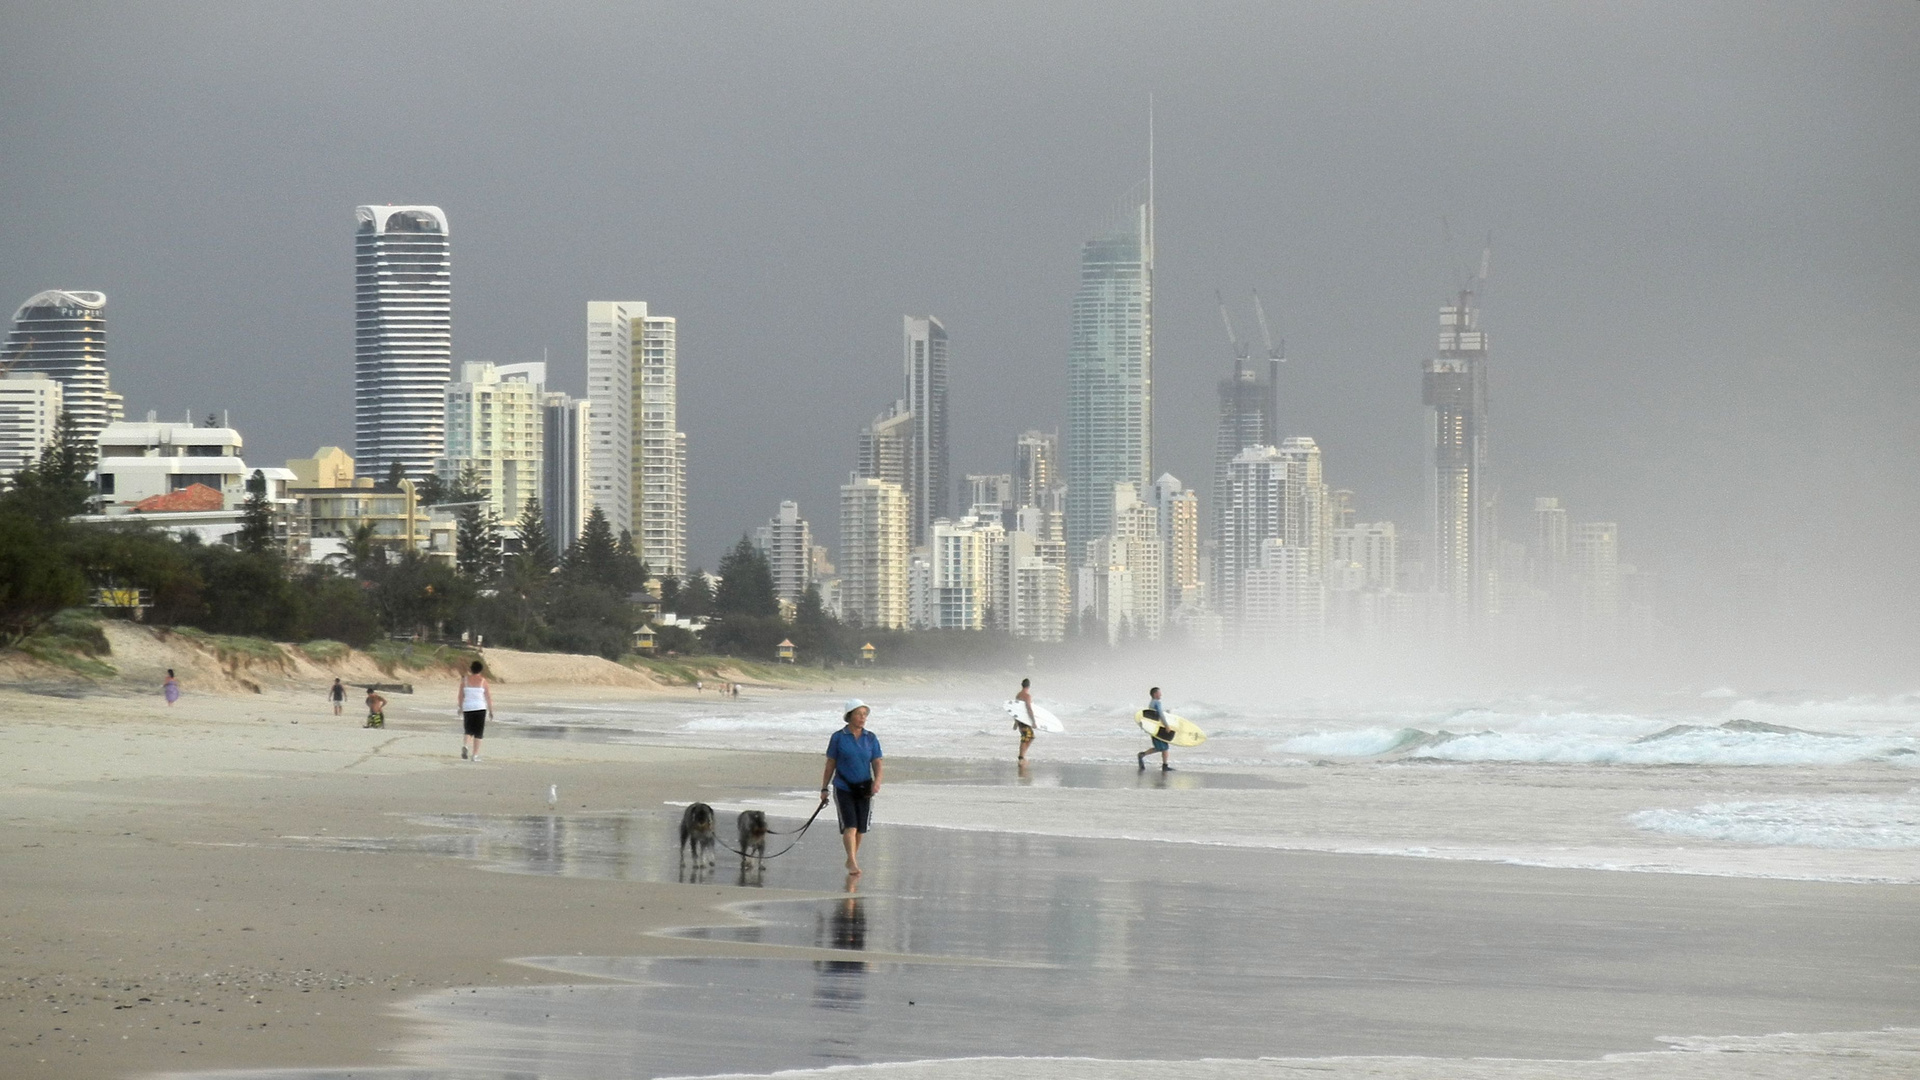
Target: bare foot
853	867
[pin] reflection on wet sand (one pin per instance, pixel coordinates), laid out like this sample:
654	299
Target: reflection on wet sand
841	925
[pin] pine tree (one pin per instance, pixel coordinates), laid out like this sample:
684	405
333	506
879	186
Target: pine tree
670	593
746	583
591	559
396	472
477	539
696	596
55	487
536	547
631	573
256	518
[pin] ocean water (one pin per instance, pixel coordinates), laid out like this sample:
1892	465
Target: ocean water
1714	782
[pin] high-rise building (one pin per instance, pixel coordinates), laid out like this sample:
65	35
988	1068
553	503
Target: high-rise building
1036	466
886	448
493	423
1139	544
613	326
1372	547
1180	532
986	490
1110	371
1306	523
1549	551
873	552
1038	600
962	555
403	337
1340	511
1594	547
1283	598
787	541
29	412
1246	419
660	449
926	369
1454	388
62	334
566	430
1258	497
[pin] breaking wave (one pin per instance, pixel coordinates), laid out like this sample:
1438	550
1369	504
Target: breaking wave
1736	742
1837	822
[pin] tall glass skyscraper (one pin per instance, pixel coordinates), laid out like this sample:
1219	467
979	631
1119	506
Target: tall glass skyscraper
926	367
403	338
1454	387
1110	372
63	335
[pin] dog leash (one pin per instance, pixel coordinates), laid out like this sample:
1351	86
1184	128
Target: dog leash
796	838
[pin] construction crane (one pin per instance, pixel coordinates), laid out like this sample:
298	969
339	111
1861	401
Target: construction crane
1275	357
1240	351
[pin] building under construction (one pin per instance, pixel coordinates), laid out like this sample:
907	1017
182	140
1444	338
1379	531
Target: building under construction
1454	387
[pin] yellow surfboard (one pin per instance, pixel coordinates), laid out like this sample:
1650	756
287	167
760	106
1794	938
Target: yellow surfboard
1185	731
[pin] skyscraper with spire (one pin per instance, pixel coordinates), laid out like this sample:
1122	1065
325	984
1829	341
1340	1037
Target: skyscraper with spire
926	370
1454	388
1110	370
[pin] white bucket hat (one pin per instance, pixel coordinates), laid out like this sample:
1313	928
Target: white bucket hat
852	704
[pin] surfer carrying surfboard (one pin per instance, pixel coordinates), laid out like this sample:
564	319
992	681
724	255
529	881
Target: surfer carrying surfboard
1157	709
1025	698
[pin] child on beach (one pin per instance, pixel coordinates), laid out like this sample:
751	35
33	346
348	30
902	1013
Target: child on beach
376	709
171	688
338	695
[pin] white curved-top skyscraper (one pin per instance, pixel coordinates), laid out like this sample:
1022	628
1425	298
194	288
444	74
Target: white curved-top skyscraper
403	338
62	334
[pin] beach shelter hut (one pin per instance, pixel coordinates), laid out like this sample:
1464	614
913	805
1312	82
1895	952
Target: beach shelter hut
866	653
643	639
784	651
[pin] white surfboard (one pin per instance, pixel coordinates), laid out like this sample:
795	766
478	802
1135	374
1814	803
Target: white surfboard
1048	721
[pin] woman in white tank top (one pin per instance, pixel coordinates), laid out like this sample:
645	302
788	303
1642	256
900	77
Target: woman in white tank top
475	703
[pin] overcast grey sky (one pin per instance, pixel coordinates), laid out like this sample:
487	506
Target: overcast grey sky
1704	306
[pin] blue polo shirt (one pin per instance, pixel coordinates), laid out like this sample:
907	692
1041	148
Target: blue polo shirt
853	758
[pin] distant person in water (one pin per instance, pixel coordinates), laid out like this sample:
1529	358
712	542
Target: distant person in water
476	702
376	709
1025	698
1162	740
171	688
338	695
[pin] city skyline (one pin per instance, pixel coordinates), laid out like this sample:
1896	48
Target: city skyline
1283	187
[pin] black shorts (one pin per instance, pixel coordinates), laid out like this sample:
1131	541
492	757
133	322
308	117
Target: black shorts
476	722
855	811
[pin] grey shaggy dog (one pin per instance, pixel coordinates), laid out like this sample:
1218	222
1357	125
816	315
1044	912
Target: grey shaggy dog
696	833
753	836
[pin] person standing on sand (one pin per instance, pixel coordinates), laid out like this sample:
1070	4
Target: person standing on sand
1025	698
338	695
1159	711
475	704
171	688
852	779
376	709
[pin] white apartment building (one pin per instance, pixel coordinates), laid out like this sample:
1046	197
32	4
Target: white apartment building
183	478
1306	522
495	423
873	552
1138	545
1285	602
1179	511
29	412
787	541
1256	497
1594	547
963	589
660	450
989	493
1038	600
1375	548
611	325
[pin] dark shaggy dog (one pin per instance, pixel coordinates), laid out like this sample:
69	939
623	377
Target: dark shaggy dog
696	832
753	836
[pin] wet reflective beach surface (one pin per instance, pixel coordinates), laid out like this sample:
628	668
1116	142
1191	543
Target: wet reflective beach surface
1126	949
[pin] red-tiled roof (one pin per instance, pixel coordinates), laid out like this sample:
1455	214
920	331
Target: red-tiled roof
191	497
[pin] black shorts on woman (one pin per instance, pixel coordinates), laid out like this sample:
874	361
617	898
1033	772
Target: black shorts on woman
476	720
854	805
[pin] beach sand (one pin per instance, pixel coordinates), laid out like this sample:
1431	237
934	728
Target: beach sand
146	922
173	898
